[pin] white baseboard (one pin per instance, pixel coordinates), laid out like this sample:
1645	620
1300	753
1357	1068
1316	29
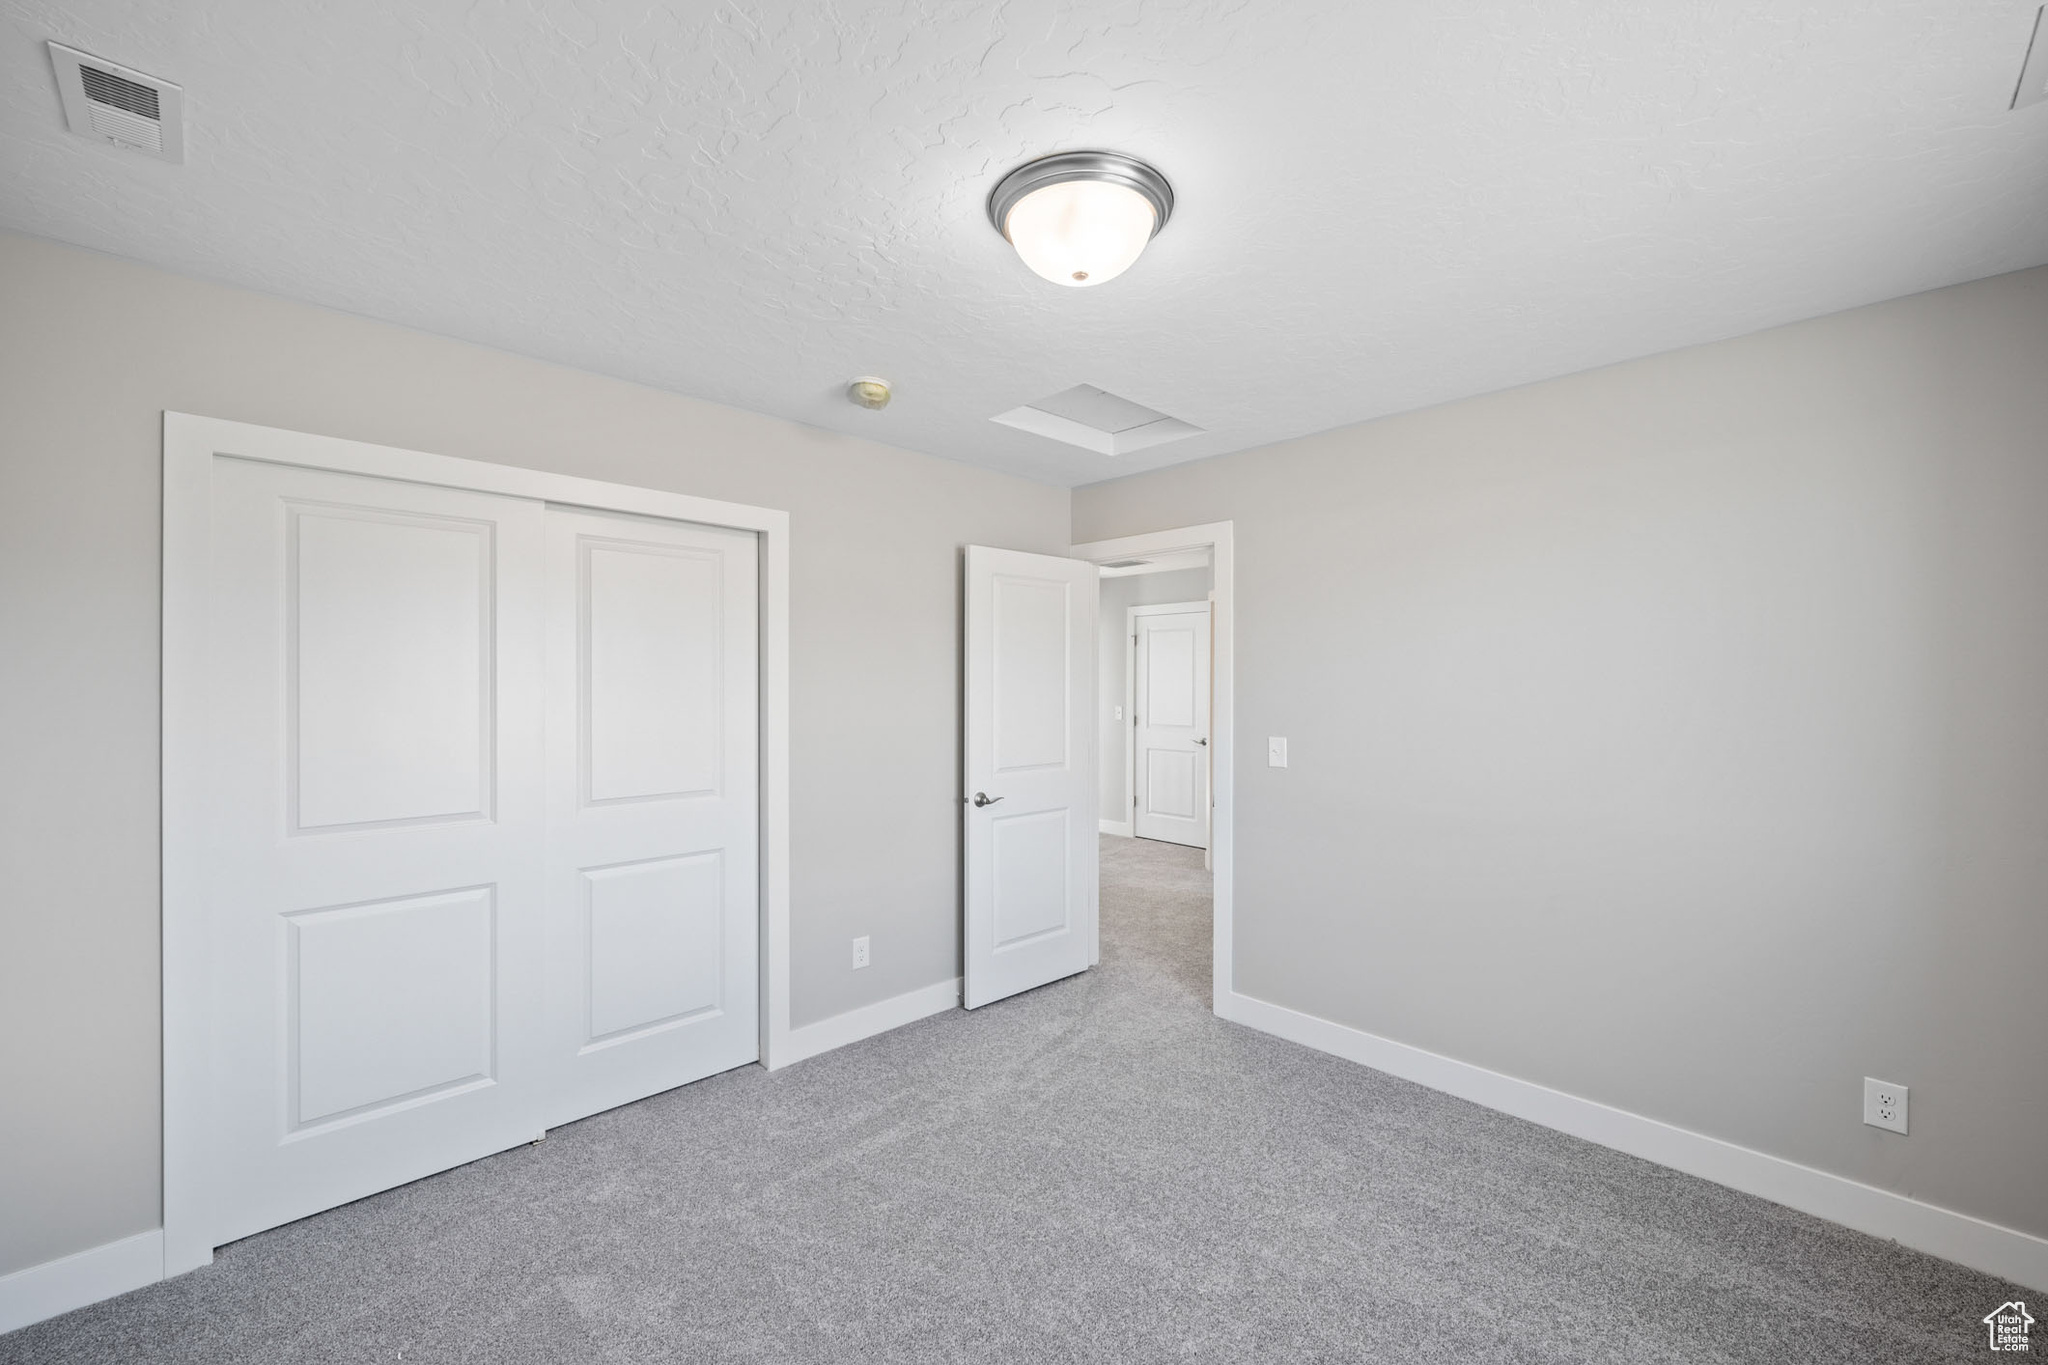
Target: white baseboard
44	1291
2004	1252
1122	829
868	1020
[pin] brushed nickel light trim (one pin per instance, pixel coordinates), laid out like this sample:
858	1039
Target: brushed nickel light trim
1110	167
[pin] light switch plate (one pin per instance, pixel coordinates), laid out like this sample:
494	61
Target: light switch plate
1276	752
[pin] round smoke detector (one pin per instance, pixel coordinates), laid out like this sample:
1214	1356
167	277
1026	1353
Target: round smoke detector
868	392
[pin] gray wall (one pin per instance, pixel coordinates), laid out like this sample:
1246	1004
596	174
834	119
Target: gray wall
1674	735
1118	594
92	350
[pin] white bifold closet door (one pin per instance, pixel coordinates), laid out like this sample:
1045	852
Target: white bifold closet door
481	828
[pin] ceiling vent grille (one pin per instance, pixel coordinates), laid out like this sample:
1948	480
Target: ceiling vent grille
1095	419
110	103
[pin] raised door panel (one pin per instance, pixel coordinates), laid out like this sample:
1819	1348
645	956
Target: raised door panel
388	624
1172	777
653	944
1169	698
389	1004
1032	855
1032	629
652	714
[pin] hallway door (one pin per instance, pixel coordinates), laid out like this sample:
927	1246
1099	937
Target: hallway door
1170	723
1031	792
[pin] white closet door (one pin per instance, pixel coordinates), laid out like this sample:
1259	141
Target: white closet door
1170	724
652	805
375	833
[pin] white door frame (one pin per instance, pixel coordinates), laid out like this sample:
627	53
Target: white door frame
1130	727
190	445
1217	538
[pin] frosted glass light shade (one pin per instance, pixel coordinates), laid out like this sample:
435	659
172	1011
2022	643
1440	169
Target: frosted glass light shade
1081	232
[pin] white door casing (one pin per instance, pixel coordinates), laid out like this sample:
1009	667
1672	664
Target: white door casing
1170	722
375	835
1219	539
652	799
1029	763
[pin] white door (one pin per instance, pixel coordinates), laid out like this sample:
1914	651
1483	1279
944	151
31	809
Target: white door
374	836
652	805
1170	723
1029	765
481	826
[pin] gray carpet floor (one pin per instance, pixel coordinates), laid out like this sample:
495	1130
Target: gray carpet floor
1098	1170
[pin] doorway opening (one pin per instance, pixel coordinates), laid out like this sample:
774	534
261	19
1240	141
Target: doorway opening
1154	694
1164	721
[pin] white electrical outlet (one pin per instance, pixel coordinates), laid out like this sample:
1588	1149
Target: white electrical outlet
1884	1105
860	952
1276	752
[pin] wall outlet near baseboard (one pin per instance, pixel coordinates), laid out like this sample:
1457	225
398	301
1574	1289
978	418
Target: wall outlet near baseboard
860	952
1884	1105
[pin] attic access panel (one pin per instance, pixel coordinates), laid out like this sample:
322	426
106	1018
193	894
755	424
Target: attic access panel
1098	420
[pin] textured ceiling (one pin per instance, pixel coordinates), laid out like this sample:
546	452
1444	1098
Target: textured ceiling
1381	205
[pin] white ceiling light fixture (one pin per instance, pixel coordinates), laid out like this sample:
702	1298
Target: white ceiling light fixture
1081	218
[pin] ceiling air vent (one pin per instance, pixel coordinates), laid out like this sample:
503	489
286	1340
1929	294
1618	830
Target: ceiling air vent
108	102
1096	420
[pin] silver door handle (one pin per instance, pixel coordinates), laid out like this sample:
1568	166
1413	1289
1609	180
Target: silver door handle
1202	742
984	799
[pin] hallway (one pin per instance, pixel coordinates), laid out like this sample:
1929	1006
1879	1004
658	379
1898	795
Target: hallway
1098	1170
